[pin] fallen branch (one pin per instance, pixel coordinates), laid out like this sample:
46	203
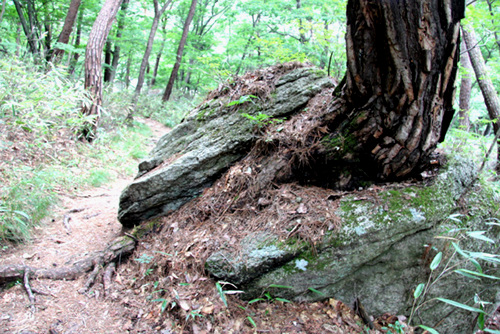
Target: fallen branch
66	220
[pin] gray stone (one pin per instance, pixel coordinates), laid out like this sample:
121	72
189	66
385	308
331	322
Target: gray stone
210	139
379	254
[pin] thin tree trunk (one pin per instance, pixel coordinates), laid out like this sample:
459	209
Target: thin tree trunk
4	2
119	29
93	67
490	7
127	70
255	21
18	38
74	60
465	87
489	94
33	22
32	41
145	59
48	37
69	22
107	60
180	50
302	38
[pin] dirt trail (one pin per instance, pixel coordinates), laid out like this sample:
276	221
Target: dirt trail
60	308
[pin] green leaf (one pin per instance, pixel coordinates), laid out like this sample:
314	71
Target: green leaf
280	286
251	321
437	260
493	331
467	275
317	291
283	300
418	290
221	293
475	273
460	305
429	329
256	300
479	235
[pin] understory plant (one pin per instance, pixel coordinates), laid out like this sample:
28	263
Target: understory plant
454	259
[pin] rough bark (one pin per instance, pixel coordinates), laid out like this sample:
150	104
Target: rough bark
93	67
401	67
465	87
489	94
180	51
69	21
154	27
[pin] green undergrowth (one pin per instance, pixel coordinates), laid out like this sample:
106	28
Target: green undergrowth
40	156
150	105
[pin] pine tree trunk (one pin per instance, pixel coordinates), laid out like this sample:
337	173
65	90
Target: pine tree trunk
491	99
396	103
180	51
93	67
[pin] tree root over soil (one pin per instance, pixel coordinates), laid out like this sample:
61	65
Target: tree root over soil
117	250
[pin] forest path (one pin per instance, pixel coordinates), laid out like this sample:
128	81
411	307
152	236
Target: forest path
59	307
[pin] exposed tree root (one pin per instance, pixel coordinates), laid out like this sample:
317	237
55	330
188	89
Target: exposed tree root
118	249
27	286
107	276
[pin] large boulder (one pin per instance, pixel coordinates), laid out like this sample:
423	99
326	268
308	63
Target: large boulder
211	138
381	252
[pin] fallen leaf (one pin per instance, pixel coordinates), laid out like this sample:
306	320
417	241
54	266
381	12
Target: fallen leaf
184	305
208	309
302	208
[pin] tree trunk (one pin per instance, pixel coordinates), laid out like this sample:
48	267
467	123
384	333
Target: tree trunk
107	60
48	37
145	59
93	68
127	70
29	31
396	102
67	29
116	50
78	37
465	87
180	50
255	22
4	2
489	94
302	38
495	32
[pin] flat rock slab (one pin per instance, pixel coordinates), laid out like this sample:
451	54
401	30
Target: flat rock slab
210	139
